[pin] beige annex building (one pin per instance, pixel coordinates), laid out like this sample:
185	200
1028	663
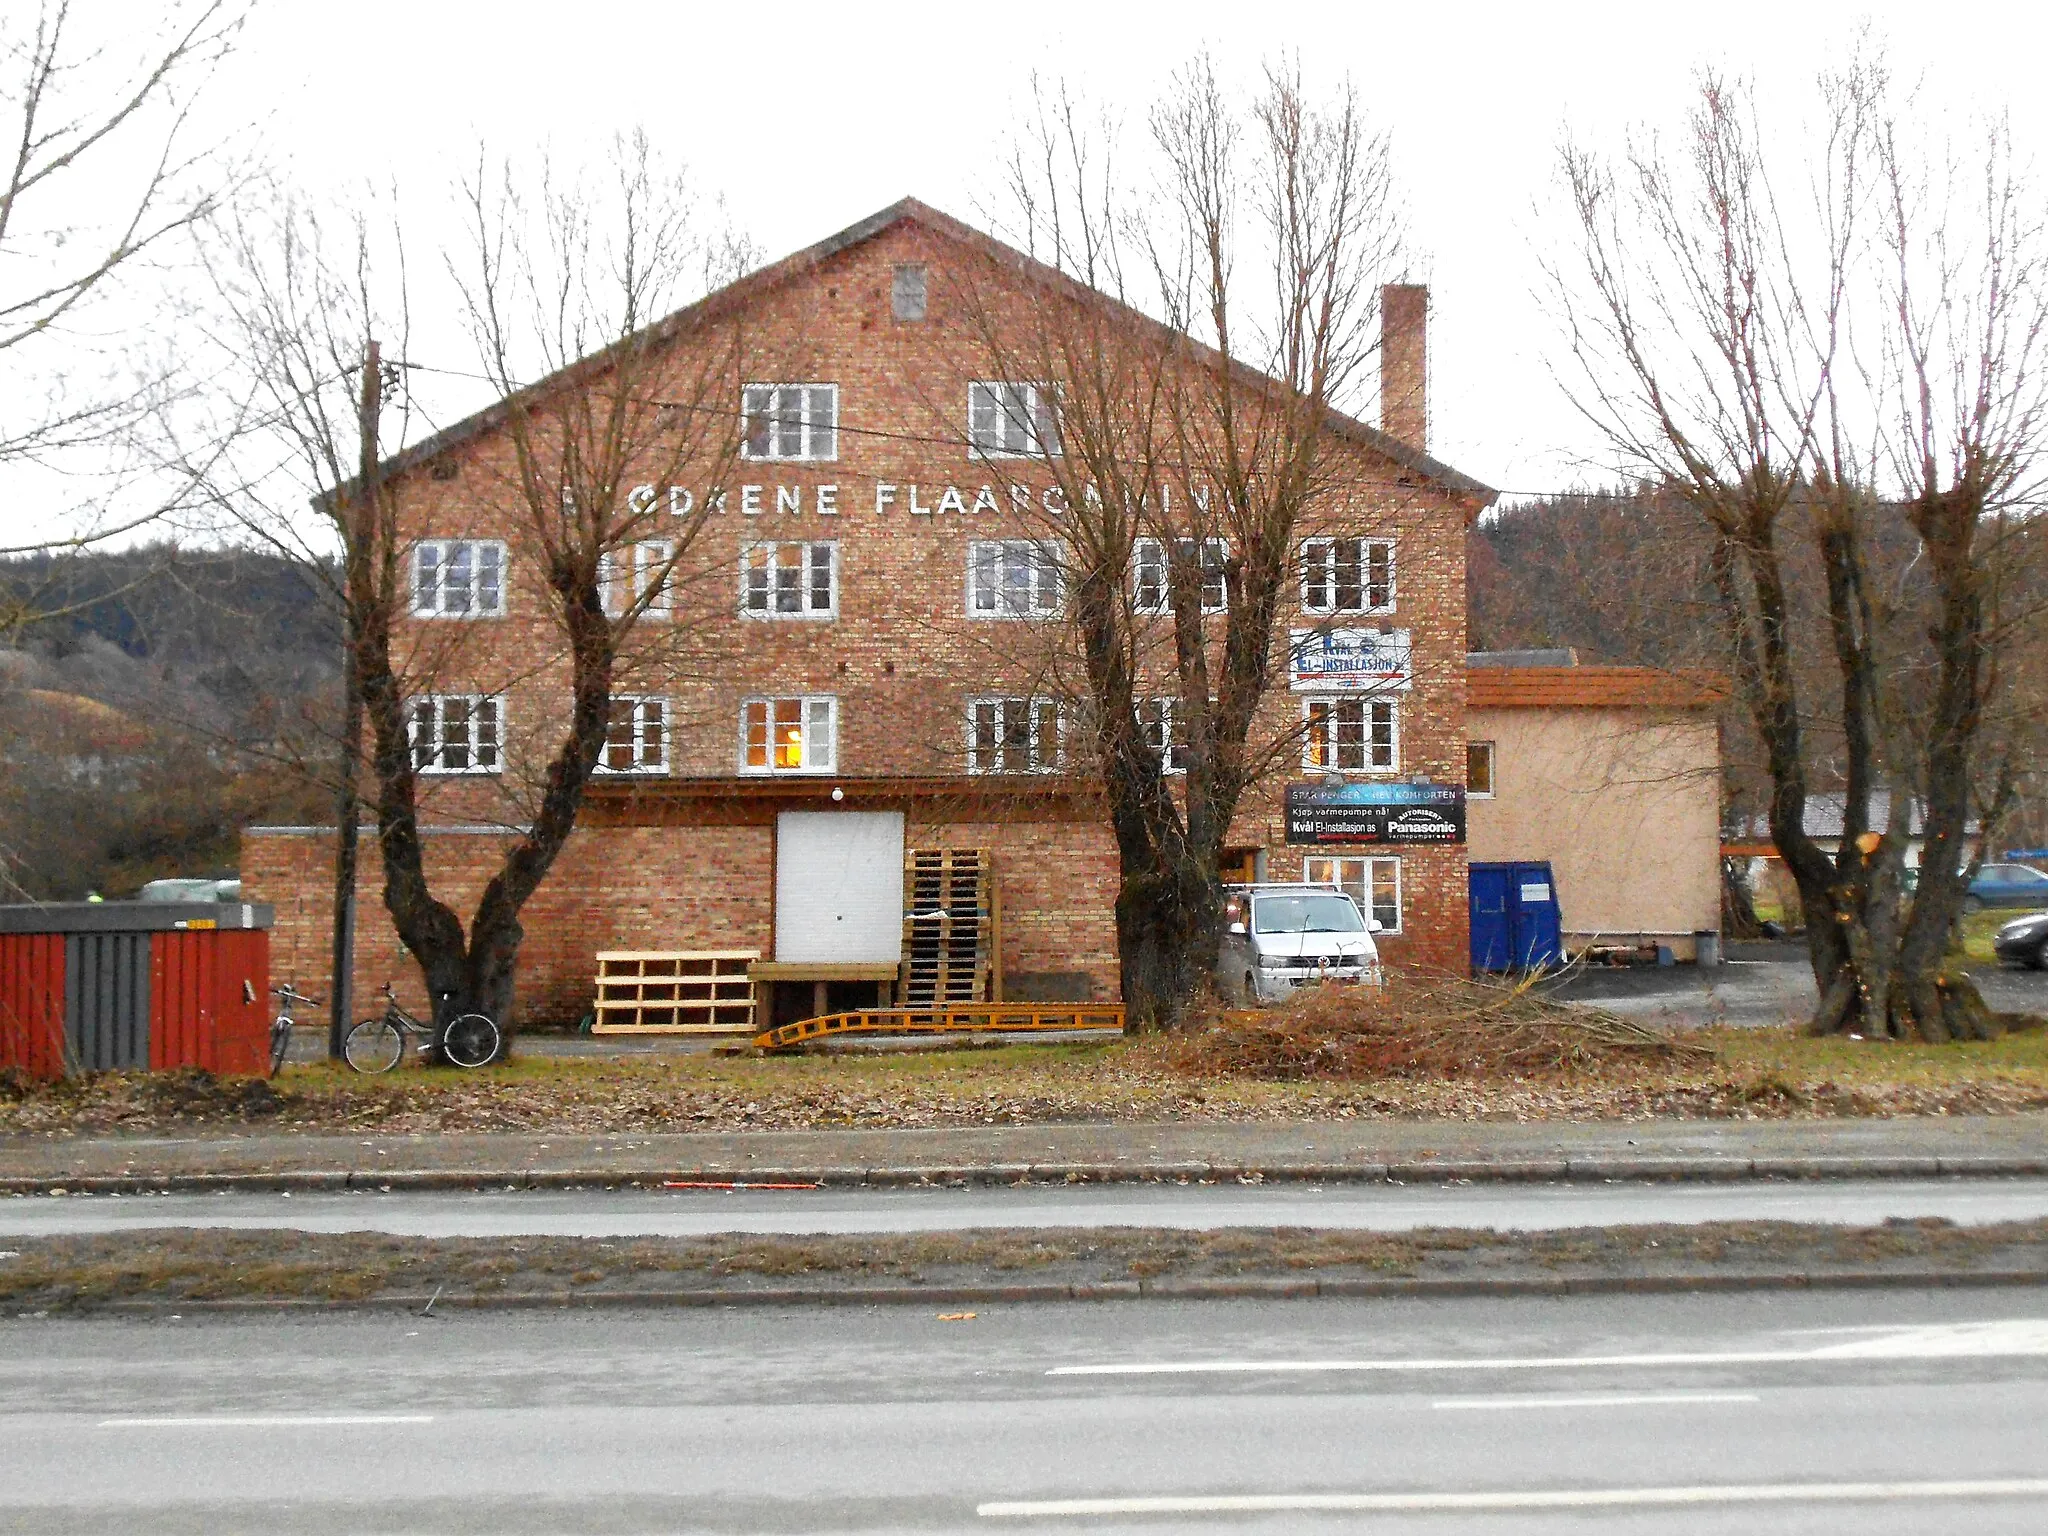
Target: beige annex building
1613	774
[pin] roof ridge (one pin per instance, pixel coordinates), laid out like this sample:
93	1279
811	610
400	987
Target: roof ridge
776	273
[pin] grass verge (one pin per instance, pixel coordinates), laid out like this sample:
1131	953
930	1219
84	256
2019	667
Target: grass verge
41	1276
1718	1074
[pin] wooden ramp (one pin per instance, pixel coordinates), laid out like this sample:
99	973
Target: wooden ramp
958	1019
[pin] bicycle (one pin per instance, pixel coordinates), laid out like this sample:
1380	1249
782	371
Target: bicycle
378	1045
281	1026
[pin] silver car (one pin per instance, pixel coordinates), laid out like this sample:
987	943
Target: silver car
1278	938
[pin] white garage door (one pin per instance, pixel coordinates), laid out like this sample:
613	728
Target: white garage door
839	886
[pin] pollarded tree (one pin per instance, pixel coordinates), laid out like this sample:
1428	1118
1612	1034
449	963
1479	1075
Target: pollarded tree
1848	394
582	288
1191	454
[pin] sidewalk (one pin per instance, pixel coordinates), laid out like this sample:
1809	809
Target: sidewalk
1996	1145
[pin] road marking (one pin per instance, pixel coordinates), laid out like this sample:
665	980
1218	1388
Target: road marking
263	1420
1639	1400
2010	1337
1563	1498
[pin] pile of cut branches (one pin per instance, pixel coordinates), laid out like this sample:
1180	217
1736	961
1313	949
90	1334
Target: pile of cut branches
1424	1027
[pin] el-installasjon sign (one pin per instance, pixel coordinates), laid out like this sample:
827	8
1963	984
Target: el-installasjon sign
1322	814
1349	661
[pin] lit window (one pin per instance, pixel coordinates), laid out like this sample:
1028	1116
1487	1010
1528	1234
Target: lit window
1013	579
1375	884
458	579
1164	733
1350	736
1012	421
791	421
1347	575
1151	585
651	562
789	581
1479	769
789	735
1013	736
456	733
638	740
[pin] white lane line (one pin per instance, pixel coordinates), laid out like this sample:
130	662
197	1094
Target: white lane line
1520	1363
263	1420
2006	1338
1646	1399
1565	1498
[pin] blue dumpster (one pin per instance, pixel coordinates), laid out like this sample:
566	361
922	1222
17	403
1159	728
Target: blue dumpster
1515	920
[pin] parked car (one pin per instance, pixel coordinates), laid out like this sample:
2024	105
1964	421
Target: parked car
1280	937
191	890
2024	941
2006	885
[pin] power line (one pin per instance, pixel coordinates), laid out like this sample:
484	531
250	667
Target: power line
879	434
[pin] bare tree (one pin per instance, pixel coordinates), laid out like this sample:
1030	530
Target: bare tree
300	307
1842	388
578	284
1188	452
570	289
103	182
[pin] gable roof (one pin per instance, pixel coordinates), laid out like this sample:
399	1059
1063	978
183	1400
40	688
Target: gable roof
791	267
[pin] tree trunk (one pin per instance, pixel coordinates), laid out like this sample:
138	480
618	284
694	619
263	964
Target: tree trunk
1166	945
1738	905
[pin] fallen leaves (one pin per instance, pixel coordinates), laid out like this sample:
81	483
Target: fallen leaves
1746	1075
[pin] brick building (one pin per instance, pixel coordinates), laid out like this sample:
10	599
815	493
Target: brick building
858	676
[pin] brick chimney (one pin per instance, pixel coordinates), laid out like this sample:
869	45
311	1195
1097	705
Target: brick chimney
1404	363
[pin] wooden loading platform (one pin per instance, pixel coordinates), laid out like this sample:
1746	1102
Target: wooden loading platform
953	1019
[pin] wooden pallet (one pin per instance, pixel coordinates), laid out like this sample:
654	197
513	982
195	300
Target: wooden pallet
949	939
974	1019
675	992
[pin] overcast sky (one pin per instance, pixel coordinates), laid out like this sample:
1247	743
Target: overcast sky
808	117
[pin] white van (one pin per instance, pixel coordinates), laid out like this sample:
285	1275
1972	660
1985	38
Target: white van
1280	937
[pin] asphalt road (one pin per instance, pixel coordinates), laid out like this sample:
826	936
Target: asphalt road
1759	985
1374	1207
1878	1413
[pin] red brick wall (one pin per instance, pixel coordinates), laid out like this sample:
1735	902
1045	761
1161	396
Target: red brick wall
697	887
902	657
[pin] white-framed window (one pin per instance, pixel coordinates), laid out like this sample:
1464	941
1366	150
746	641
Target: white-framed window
1021	735
795	735
457	733
1347	575
458	579
1012	421
789	580
1161	721
1479	770
907	291
1013	579
1351	736
1151	587
791	421
638	740
1375	884
649	562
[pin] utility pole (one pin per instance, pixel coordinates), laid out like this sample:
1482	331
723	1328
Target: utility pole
359	520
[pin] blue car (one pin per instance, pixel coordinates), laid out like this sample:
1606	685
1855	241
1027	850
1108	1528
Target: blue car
2006	885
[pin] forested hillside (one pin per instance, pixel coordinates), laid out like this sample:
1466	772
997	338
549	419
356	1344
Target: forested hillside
1628	583
152	701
